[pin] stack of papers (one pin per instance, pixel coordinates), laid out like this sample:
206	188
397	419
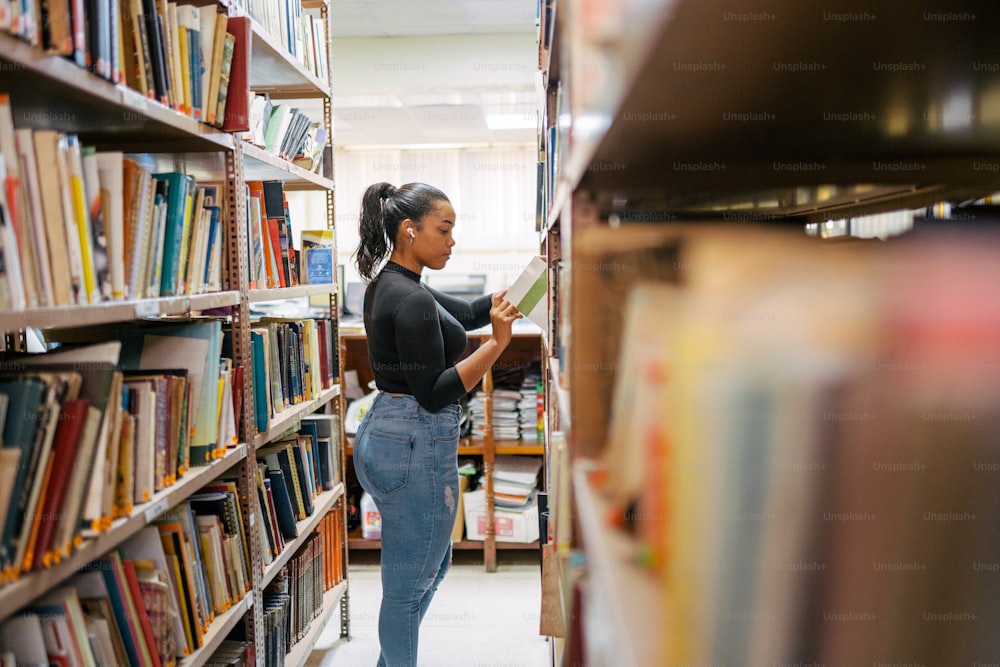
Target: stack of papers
506	414
515	481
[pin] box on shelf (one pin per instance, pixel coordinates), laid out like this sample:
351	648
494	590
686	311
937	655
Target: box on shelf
508	525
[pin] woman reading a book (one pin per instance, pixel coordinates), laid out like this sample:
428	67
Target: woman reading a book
406	449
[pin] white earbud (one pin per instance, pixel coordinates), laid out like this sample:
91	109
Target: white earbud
409	230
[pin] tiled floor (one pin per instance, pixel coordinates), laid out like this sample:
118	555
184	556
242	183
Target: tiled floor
476	619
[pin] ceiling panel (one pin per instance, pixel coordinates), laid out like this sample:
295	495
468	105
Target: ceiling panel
384	18
410	73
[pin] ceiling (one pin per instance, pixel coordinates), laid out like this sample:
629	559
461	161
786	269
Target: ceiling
433	72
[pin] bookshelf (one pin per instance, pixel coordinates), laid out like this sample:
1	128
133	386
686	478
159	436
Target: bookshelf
680	139
49	92
523	349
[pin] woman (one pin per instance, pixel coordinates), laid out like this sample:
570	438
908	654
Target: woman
405	451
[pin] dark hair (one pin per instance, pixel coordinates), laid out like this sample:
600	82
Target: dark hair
383	207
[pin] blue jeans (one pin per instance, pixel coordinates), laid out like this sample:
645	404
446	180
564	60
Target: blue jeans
407	459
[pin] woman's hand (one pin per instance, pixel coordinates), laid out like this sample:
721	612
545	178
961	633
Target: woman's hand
502	316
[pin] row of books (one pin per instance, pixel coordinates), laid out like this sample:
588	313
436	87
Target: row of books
291	474
802	438
294	598
181	55
90	432
300	32
299	589
270	244
331	527
287	132
99	226
149	602
293	361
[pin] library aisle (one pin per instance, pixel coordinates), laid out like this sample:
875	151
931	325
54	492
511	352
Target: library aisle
477	619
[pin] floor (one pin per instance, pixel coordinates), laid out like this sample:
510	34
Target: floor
477	619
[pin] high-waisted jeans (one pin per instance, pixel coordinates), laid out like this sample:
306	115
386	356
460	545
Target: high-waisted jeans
406	458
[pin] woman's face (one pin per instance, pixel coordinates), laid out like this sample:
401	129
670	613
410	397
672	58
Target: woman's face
432	243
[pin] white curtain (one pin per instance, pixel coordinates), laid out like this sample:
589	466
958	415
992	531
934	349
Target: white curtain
491	188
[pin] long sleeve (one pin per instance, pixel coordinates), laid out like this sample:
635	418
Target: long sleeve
421	348
470	314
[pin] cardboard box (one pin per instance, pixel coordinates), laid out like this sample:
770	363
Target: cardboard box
508	526
456	532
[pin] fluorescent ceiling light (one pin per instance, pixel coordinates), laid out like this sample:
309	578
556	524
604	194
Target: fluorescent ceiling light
512	121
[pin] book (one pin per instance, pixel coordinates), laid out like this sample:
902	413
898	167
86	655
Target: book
81	217
64	600
47	150
57	27
110	172
158	603
25	401
137	606
22	636
98	206
529	292
147	546
208	27
282	503
237	110
68	438
99	616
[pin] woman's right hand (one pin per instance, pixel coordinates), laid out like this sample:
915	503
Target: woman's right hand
502	316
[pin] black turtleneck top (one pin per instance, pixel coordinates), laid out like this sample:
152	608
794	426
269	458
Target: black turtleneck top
416	334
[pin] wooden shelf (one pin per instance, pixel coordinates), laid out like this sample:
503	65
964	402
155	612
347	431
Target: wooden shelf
217	633
287	418
299	653
282	293
260	165
115	311
623	599
321	505
21	592
782	116
355	541
274	71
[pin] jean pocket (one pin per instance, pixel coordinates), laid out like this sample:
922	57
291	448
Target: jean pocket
386	459
445	430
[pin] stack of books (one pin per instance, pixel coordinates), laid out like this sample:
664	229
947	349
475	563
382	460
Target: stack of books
515	481
506	414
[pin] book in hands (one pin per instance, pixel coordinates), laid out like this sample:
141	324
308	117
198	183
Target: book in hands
529	293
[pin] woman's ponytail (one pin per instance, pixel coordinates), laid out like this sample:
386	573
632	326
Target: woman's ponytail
374	244
383	207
